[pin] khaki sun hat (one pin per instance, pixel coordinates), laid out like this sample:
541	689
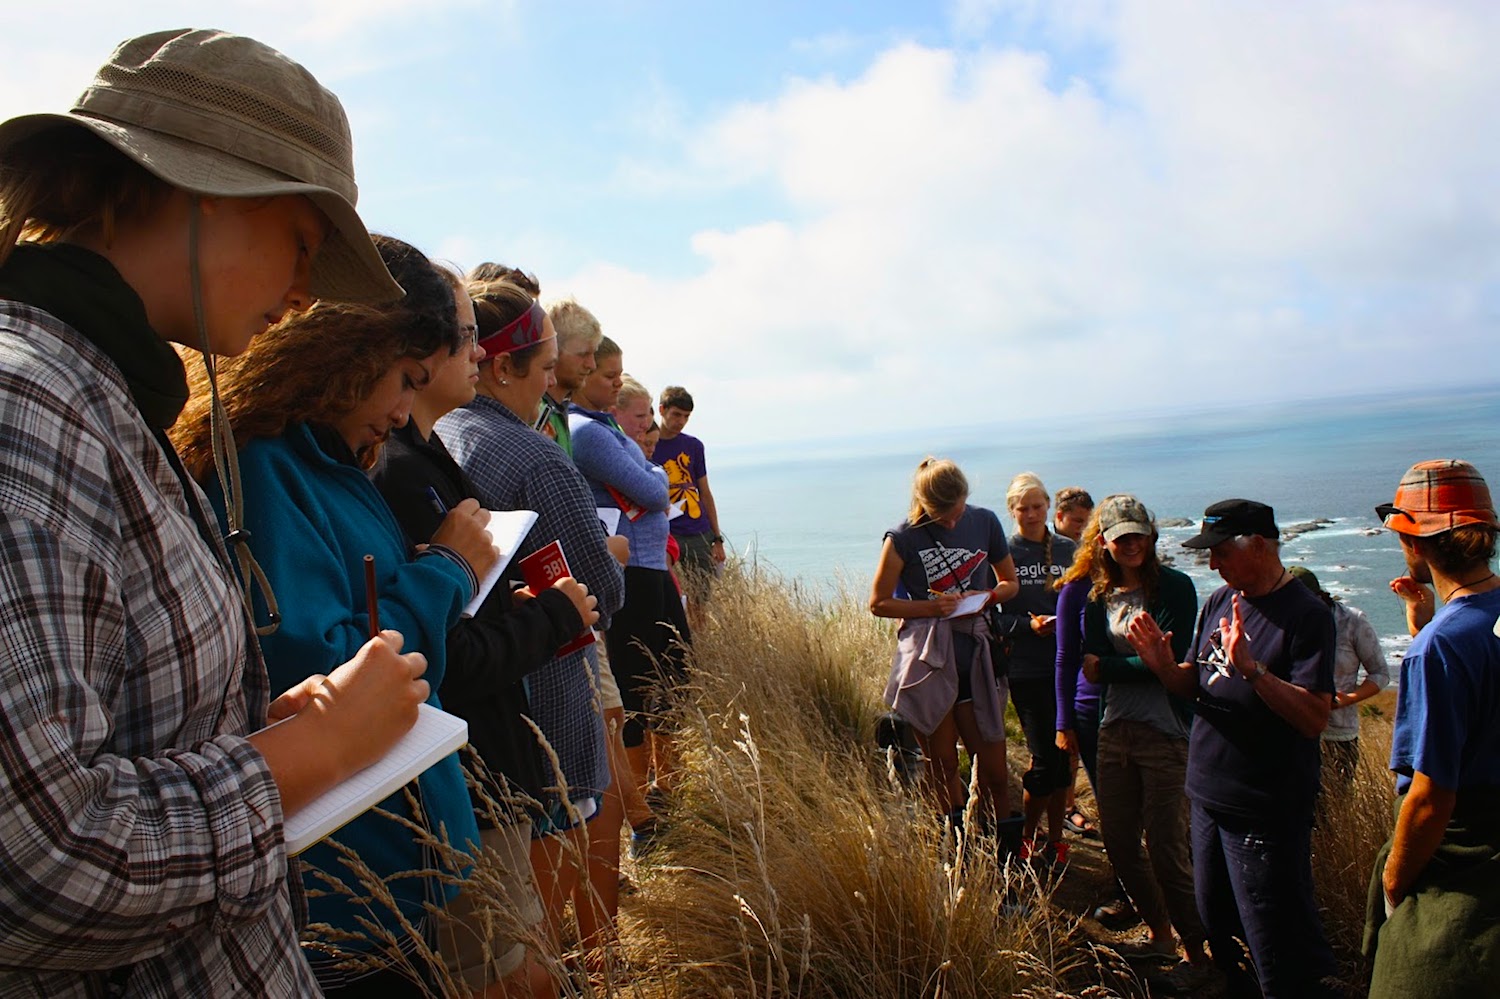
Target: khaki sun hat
225	116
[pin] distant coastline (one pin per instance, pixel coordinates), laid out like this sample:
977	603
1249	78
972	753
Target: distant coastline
816	513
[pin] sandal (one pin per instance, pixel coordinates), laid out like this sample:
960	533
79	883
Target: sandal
1079	824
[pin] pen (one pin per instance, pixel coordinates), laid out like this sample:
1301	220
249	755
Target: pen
370	596
437	502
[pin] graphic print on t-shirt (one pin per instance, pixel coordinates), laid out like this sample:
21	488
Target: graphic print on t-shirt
682	485
946	568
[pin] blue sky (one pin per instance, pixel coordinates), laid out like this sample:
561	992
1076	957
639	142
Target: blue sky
863	217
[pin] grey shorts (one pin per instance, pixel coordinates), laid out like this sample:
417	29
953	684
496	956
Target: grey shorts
484	938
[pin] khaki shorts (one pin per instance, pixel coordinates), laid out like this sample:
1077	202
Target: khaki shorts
609	690
484	939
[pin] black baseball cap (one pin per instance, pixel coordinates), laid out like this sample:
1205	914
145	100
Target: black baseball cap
1233	518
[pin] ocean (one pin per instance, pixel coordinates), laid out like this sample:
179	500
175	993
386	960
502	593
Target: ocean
815	511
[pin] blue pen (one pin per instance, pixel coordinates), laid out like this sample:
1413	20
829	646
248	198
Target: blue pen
437	502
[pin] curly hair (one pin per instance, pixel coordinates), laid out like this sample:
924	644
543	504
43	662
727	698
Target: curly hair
312	367
1092	561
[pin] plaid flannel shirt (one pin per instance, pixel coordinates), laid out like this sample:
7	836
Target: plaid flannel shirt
140	833
517	468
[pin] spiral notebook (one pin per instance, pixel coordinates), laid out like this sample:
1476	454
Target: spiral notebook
434	736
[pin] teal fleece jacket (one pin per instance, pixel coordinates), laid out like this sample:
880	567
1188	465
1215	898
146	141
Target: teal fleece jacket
312	521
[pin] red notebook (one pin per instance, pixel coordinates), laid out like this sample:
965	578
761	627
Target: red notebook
541	569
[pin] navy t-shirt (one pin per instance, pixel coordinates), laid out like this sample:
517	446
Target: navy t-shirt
936	558
1243	757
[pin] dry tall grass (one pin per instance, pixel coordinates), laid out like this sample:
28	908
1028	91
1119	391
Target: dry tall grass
796	865
1355	821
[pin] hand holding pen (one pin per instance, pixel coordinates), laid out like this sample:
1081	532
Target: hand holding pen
338	724
463	531
944	603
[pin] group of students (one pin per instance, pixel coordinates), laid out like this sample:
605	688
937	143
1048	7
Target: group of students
1054	637
248	456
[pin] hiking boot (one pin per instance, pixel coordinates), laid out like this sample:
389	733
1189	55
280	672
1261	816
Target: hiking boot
1117	913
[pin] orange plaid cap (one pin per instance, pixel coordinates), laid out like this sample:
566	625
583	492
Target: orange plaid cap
1437	496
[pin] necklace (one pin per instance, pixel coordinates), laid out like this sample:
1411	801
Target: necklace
1465	586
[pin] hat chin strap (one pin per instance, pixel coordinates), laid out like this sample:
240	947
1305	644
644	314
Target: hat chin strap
226	456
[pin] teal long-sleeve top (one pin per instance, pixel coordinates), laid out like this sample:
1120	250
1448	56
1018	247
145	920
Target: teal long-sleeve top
312	519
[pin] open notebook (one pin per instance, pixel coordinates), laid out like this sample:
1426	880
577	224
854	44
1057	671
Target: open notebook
434	736
508	528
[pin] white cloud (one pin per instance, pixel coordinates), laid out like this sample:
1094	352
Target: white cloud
1208	219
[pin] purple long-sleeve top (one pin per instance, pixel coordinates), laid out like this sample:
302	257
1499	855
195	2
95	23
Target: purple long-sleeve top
1075	695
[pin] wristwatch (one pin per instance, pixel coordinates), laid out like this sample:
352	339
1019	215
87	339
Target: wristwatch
717	539
1258	672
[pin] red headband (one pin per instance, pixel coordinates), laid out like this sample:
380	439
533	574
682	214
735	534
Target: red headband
522	331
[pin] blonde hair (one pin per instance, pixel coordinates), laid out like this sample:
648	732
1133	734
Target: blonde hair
574	324
937	487
1020	486
632	389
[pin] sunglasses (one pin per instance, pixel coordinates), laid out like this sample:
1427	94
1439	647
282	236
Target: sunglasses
1216	658
1387	510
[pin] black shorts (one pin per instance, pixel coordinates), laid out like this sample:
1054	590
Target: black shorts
646	640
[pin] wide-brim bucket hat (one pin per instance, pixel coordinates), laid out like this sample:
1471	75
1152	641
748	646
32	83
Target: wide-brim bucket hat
222	115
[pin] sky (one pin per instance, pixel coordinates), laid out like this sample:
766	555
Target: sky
867	218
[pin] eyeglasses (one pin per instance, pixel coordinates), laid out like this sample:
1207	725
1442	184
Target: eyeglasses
470	334
1216	657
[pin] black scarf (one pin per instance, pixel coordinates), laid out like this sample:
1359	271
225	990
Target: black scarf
85	291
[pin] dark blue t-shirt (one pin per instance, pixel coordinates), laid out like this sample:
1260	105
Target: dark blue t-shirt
1448	714
1243	757
936	558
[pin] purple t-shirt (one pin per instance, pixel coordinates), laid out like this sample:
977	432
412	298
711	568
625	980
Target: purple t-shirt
682	457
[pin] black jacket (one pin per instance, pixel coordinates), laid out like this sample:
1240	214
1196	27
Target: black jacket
490	653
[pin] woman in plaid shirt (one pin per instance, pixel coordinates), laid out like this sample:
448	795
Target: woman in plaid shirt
199	189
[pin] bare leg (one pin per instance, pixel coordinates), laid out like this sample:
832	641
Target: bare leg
664	758
554	861
639	758
989	758
1057	807
940	779
632	801
596	899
